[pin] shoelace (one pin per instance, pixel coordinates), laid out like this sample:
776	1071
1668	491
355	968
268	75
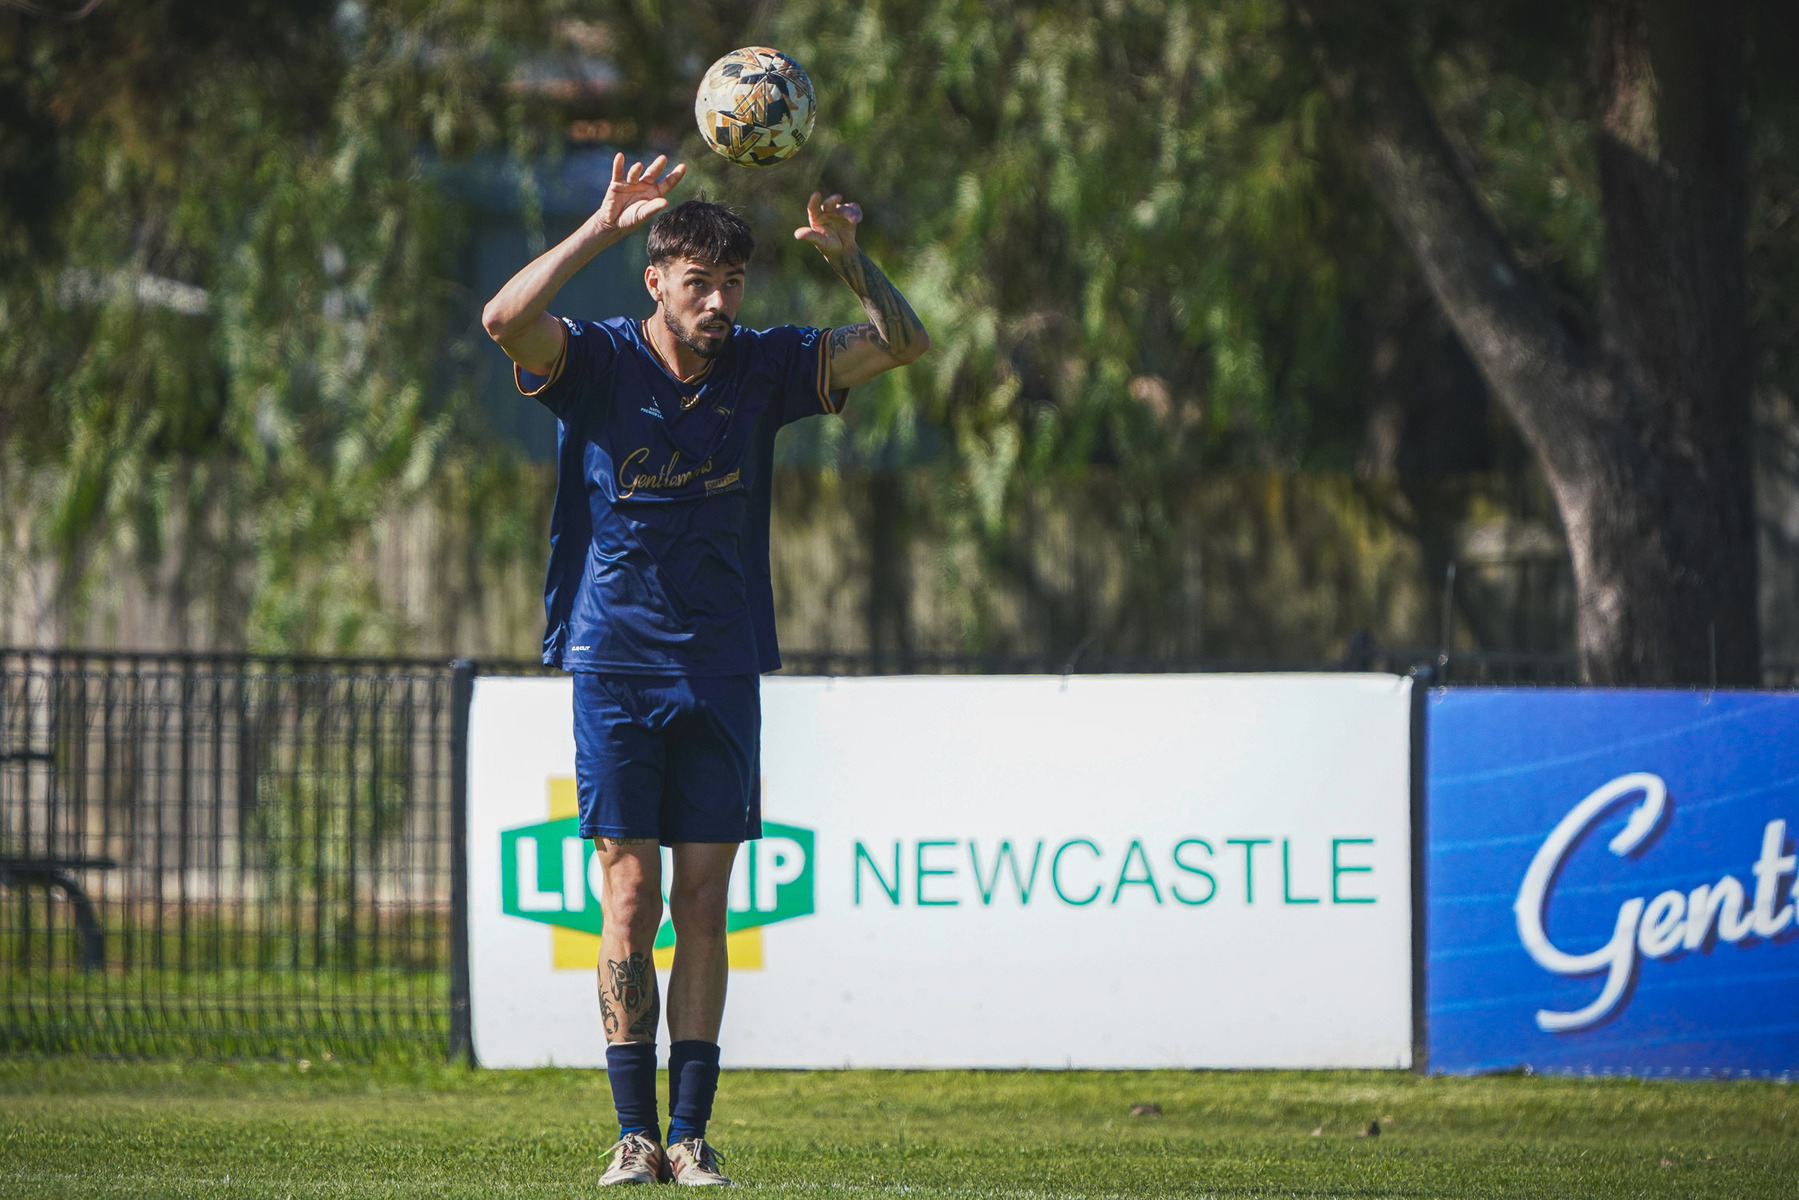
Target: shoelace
704	1156
638	1152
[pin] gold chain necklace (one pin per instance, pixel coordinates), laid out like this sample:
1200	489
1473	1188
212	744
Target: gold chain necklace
699	378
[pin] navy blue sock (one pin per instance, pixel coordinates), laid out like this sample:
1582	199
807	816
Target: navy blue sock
692	1083
632	1069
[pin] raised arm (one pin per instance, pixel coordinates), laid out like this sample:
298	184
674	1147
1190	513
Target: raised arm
893	335
516	317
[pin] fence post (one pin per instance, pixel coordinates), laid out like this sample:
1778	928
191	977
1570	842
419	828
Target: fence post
1424	677
462	692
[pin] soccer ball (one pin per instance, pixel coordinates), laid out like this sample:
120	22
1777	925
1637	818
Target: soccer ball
755	107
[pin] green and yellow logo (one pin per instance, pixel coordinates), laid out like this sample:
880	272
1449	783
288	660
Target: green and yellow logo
550	874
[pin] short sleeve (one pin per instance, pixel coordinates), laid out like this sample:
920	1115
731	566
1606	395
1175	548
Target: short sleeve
807	370
587	352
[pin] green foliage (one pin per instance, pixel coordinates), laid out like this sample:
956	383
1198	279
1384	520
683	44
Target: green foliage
1131	227
240	299
1530	147
1138	235
1115	217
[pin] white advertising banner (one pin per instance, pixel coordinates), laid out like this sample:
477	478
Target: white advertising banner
1142	871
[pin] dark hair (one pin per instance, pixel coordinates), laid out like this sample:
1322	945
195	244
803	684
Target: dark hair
703	231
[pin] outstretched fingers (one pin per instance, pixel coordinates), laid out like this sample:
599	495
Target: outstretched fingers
812	230
642	173
639	173
639	193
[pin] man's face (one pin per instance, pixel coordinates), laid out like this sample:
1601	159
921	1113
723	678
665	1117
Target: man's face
698	301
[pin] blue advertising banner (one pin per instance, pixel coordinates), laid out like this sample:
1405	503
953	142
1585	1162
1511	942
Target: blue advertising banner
1610	882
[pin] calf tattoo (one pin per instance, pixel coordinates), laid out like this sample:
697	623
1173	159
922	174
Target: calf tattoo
628	996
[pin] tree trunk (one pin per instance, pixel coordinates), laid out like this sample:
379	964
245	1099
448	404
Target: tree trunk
1643	428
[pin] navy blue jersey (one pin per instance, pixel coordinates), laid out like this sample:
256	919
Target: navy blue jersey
659	533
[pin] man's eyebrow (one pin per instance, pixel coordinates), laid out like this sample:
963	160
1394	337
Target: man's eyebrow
707	277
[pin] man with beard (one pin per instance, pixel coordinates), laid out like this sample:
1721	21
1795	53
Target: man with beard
659	599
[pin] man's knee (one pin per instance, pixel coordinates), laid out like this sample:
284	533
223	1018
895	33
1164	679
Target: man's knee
637	914
698	917
633	901
698	906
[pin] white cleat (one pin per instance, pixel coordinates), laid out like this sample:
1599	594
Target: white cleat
694	1163
635	1159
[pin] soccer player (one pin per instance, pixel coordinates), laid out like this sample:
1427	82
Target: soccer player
659	599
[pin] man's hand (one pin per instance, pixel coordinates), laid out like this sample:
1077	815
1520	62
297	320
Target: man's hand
831	226
635	196
516	317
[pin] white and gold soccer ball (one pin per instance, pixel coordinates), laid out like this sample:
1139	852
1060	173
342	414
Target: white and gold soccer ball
755	107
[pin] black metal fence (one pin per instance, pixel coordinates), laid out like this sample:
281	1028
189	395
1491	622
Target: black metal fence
222	856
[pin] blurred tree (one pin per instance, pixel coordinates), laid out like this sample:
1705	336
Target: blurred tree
225	260
1141	232
219	229
1635	397
1121	215
1126	225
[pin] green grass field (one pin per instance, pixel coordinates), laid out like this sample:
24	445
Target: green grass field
77	1128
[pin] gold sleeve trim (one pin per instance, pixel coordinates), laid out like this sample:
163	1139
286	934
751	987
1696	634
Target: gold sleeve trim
824	371
518	376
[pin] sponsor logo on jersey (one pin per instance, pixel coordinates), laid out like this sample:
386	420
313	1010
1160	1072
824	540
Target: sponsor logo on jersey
668	477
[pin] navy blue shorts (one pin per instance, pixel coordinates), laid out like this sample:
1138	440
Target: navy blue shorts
669	758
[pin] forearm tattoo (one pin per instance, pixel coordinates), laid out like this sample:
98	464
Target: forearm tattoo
629	999
892	324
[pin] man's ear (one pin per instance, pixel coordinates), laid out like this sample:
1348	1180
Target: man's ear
652	283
